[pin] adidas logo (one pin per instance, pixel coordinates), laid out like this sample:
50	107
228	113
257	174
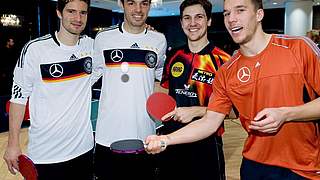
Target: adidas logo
73	58
135	45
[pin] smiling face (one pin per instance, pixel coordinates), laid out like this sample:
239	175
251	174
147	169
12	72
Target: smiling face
73	17
135	13
242	19
194	22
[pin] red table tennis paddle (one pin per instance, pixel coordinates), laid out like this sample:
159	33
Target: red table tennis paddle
160	104
128	146
27	168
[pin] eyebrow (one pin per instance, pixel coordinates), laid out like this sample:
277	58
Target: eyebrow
237	7
195	14
241	6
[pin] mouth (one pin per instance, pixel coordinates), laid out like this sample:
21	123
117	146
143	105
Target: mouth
77	25
236	29
137	17
193	30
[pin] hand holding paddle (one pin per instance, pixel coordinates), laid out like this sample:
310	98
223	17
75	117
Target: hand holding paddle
160	104
156	144
27	168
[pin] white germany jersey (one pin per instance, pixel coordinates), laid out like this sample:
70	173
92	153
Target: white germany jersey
131	63
57	80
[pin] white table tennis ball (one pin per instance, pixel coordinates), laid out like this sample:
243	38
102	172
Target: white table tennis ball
124	67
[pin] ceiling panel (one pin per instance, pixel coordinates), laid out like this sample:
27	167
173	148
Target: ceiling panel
171	7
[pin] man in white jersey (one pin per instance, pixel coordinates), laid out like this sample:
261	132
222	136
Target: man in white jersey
54	72
132	58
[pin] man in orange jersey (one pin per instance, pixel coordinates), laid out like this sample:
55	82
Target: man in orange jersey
273	81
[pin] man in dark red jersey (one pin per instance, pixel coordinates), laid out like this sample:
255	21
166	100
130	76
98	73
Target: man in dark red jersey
273	81
188	74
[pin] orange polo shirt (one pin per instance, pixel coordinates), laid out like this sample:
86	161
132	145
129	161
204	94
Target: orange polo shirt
285	73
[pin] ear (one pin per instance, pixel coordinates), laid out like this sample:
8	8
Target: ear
59	14
209	22
260	15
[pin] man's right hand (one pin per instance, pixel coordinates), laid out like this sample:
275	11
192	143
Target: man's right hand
156	144
11	157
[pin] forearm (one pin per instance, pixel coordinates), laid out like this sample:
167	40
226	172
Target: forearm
197	130
16	114
199	111
306	112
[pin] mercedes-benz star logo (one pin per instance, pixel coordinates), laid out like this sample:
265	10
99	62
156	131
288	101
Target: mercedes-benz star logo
116	55
244	74
56	70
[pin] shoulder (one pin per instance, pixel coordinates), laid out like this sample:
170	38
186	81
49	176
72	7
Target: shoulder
295	43
109	29
84	39
220	52
156	34
37	43
176	50
232	61
34	46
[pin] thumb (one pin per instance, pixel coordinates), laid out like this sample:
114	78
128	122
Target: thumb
261	115
168	115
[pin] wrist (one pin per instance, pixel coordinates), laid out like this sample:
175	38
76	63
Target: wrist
168	140
200	111
289	113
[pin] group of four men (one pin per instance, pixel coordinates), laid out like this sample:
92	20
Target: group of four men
278	106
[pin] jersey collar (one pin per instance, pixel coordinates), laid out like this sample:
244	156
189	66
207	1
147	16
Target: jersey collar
205	50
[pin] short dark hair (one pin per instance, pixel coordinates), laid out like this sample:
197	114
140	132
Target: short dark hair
122	1
207	6
62	3
257	4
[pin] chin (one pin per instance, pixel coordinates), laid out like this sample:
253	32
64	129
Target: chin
237	40
76	32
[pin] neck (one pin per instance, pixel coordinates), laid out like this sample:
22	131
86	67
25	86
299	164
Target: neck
133	29
197	46
256	45
67	38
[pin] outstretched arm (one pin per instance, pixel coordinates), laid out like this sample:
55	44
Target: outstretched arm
194	131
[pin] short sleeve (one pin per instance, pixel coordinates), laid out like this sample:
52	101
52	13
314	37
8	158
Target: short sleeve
219	100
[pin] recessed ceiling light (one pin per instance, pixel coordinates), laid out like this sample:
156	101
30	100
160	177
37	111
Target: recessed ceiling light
274	3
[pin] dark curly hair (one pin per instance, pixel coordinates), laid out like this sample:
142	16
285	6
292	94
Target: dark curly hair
62	3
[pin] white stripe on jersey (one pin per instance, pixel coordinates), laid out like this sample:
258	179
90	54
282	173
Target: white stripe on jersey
308	41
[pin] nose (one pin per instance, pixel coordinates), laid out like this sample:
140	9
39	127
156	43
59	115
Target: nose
138	8
232	17
193	21
77	16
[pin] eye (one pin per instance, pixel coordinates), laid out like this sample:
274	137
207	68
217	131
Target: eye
71	11
145	3
130	3
186	18
84	13
225	14
240	10
200	16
